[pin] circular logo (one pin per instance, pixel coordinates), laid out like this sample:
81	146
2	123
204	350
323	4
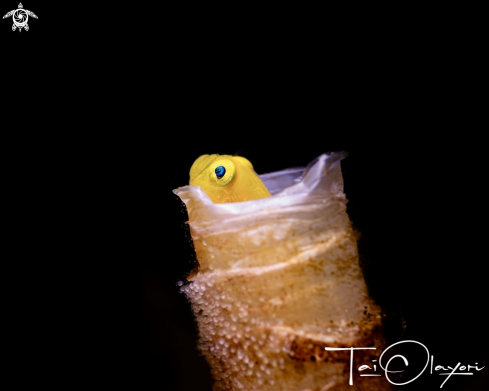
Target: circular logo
20	17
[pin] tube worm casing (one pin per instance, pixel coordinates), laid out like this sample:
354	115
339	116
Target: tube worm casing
279	281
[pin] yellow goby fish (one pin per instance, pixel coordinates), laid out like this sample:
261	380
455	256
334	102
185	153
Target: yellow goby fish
226	178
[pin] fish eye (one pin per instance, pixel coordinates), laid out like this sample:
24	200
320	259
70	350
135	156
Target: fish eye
220	171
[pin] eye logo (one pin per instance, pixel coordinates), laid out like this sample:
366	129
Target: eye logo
20	16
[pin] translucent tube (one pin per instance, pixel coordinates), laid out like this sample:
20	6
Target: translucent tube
279	281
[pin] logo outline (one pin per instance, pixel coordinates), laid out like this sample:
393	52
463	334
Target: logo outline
20	16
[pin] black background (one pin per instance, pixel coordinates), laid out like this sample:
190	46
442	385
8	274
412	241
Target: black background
104	120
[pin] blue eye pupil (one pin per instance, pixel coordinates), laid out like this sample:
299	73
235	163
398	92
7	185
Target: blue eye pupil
220	171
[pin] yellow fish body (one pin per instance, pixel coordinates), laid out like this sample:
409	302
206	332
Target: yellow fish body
227	178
